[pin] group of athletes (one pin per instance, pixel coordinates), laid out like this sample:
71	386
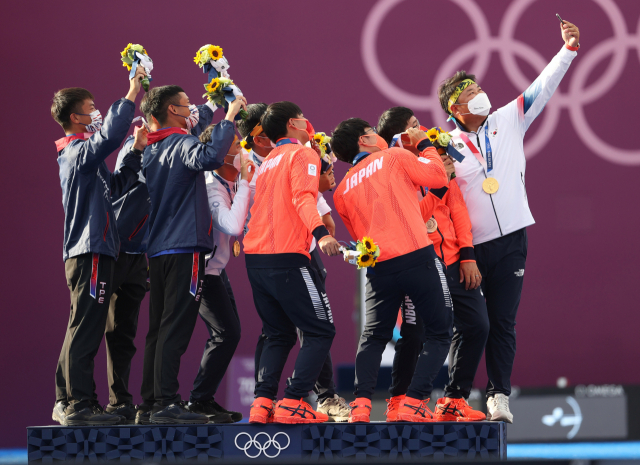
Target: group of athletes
185	193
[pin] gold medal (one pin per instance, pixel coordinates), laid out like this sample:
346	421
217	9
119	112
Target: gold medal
432	225
490	186
236	248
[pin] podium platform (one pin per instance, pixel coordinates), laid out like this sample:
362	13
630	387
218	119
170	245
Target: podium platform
247	442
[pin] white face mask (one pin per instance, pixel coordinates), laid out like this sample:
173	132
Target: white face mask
96	121
479	105
193	118
237	163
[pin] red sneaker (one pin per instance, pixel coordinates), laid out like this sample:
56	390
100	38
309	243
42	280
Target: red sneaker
261	411
392	407
360	410
415	410
297	411
449	409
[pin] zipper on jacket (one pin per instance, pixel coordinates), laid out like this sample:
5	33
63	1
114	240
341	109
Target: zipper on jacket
106	228
139	227
524	185
442	240
490	195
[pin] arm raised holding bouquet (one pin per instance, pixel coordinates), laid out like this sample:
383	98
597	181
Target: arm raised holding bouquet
134	56
220	89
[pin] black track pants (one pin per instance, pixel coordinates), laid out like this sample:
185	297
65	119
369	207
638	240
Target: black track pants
220	315
470	330
130	287
420	276
286	299
90	281
502	264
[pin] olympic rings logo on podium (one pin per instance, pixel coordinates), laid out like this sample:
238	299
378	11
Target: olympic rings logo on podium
262	448
508	48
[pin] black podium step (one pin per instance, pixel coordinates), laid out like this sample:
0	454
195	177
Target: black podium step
242	441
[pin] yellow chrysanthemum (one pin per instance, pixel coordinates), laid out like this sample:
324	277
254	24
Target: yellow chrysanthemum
213	85
365	260
215	52
432	134
369	245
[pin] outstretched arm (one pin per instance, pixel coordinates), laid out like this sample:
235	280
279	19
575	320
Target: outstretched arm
528	105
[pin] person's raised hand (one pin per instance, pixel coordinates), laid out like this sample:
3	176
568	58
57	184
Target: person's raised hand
140	137
448	165
570	34
329	246
135	83
416	135
470	275
240	103
247	168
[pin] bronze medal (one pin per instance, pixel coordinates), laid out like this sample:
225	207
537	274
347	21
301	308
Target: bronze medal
236	248
490	186
432	225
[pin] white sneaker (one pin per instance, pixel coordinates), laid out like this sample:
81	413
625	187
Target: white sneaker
335	408
498	408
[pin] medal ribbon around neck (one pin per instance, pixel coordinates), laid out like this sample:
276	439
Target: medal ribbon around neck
488	164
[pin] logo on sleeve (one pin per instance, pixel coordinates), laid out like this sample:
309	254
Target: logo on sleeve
424	160
313	169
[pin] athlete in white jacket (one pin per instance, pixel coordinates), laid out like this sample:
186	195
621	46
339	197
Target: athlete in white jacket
492	180
229	204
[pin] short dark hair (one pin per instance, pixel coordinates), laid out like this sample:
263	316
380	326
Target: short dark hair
275	119
344	140
205	136
245	126
68	101
393	121
157	101
446	88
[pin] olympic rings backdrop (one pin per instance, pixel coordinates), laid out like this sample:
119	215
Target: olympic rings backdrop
579	313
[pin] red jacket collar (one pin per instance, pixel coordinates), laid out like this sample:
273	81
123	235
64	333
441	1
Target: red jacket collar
157	136
62	143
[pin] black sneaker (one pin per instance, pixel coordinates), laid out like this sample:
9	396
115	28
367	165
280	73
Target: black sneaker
59	413
177	413
127	411
143	416
93	415
208	408
235	416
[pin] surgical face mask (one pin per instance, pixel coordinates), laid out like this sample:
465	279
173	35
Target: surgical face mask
380	142
193	118
96	121
237	162
478	105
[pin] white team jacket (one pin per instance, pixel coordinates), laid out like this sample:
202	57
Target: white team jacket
507	210
228	214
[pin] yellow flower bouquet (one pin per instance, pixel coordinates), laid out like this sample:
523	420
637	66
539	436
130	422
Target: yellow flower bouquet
363	253
220	88
134	55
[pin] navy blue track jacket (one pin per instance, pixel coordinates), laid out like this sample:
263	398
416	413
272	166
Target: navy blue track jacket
133	208
174	165
88	185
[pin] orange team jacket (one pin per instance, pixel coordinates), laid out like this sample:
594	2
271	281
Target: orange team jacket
284	216
377	198
452	239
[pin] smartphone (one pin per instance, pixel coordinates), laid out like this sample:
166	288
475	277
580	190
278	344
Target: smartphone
558	16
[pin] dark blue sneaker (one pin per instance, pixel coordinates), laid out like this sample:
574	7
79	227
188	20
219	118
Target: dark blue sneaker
127	411
92	416
177	413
